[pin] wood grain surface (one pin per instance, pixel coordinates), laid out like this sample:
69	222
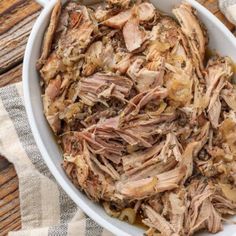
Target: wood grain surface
16	20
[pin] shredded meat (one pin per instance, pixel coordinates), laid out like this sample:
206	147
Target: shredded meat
100	87
195	33
146	123
48	38
133	36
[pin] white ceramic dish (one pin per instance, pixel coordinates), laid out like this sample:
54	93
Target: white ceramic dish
221	40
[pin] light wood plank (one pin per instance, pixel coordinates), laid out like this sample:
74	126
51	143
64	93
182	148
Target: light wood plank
7	174
9	213
13	43
11	205
11	76
14	225
10	197
8	5
8	188
14	15
8	221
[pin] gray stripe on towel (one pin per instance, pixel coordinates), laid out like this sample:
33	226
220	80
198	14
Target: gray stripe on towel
17	114
67	207
60	230
16	111
92	228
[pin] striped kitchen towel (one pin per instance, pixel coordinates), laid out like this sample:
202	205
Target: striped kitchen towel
45	207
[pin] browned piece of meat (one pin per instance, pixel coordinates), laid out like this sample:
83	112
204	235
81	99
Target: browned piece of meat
171	147
75	40
139	101
194	33
119	20
151	170
155	220
133	35
54	122
179	83
219	70
202	213
193	148
53	88
229	95
145	78
145	128
48	38
144	188
208	218
165	34
92	58
136	158
178	209
227	131
146	11
101	87
51	68
222	202
119	3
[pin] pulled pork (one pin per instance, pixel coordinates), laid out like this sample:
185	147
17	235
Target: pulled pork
146	124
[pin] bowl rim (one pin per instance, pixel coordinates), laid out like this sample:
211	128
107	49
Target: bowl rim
35	129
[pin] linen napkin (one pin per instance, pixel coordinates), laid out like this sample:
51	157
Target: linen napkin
46	210
228	7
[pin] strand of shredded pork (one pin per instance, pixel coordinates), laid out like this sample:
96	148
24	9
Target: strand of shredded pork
146	124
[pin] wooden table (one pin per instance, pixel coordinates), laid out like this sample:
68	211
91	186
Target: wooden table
16	20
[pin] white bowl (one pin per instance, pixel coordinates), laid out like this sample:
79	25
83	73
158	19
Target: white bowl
221	40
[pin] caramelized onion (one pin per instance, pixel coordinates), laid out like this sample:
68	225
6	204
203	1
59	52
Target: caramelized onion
109	211
128	214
